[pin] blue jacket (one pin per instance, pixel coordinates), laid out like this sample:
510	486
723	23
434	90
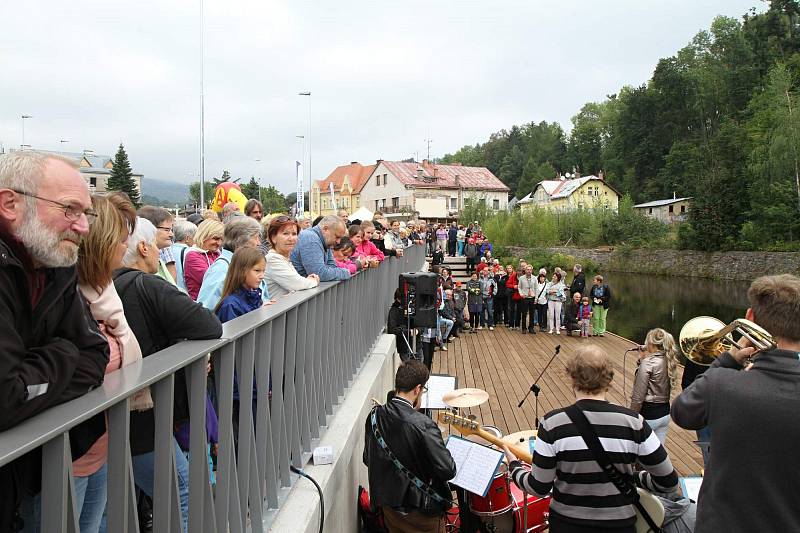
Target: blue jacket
237	304
312	256
214	280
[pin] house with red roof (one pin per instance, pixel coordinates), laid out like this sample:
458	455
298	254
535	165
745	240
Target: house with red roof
347	181
568	194
428	190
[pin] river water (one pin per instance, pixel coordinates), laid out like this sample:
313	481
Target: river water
641	302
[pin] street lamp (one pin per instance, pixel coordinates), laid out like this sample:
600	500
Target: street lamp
302	157
23	117
308	136
257	160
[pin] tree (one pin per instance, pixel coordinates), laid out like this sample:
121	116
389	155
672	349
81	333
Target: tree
121	178
250	190
194	193
274	201
226	176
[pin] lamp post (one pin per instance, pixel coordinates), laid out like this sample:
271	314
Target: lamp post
202	111
302	157
308	136
257	160
24	117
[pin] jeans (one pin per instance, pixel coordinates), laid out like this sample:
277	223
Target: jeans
660	426
541	316
599	314
144	475
460	250
447	324
487	315
527	307
90	501
553	315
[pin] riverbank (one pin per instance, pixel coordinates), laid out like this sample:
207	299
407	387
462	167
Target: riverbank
741	266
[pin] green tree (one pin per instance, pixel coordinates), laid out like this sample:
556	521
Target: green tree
121	178
274	201
194	193
226	176
250	190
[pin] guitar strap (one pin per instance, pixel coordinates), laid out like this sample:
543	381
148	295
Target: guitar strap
426	489
624	486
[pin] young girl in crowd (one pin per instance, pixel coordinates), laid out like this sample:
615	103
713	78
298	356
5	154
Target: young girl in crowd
342	253
241	293
363	252
474	302
585	317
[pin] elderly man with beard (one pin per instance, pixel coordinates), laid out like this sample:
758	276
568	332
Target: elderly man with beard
313	253
51	350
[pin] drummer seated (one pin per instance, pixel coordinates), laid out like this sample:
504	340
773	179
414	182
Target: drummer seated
584	500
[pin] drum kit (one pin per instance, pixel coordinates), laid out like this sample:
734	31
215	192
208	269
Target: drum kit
506	508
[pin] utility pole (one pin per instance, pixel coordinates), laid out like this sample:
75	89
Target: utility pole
429	141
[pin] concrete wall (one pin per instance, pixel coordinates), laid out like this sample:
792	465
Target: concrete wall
744	266
340	480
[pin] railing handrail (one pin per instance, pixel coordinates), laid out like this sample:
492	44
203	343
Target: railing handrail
127	381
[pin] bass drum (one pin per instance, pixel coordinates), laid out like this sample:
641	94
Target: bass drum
513	520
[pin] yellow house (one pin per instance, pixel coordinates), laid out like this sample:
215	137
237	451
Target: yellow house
347	181
588	192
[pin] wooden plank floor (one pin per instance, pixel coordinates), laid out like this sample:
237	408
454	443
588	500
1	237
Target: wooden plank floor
505	363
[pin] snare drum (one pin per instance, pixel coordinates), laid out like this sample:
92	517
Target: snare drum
495	431
498	499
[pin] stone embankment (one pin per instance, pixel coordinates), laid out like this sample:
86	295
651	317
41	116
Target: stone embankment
714	265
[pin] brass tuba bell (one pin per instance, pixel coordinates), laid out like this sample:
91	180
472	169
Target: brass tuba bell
704	338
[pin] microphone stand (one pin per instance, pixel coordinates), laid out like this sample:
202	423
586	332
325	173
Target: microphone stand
535	389
624	375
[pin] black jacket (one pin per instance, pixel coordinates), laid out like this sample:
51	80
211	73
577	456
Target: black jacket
754	436
501	279
578	284
417	443
606	297
438	258
57	343
448	311
159	318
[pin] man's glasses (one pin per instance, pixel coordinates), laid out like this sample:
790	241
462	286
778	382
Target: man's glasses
168	230
73	213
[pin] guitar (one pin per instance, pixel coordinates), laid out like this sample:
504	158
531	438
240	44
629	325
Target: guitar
465	426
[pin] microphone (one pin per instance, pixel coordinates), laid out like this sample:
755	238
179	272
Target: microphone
638	348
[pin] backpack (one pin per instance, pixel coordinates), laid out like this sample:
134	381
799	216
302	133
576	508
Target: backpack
371	518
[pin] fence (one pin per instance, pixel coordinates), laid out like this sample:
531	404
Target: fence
312	343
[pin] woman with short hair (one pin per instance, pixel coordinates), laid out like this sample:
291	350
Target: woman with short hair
183	233
206	250
281	277
583	498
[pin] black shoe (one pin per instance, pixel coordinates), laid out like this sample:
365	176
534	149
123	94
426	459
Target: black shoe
532	332
524	332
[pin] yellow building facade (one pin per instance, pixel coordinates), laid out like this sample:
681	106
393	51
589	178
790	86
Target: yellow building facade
590	192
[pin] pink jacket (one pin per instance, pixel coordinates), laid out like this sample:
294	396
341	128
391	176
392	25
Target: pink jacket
349	265
367	248
195	264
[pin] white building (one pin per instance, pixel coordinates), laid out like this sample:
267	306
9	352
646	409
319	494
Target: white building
430	191
95	169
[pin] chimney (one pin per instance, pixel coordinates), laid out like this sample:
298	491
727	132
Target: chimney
458	180
674	196
425	162
577	174
435	169
600	175
419	172
353	162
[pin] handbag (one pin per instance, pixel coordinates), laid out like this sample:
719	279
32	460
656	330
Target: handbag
639	498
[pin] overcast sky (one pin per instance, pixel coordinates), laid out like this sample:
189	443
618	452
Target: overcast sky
384	75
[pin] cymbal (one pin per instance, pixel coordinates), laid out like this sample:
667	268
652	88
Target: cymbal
520	437
465	397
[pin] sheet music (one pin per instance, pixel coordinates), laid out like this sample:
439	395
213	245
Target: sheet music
475	464
437	387
691	487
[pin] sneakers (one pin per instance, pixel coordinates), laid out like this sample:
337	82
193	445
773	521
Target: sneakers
480	327
473	331
491	328
444	348
558	332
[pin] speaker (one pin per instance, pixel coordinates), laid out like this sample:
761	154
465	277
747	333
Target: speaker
419	297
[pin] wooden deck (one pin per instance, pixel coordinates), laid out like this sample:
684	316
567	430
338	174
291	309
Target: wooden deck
505	363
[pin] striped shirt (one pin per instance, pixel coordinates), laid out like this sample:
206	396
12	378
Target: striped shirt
581	493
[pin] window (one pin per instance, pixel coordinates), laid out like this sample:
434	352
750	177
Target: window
93	181
495	204
378	180
671	208
384	179
650	211
377	205
396	202
453	204
683	209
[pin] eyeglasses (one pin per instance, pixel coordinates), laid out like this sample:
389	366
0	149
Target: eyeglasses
168	230
72	212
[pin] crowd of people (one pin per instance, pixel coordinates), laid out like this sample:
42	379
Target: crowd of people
91	284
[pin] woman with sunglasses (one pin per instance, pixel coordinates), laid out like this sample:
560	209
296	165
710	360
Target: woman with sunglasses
281	277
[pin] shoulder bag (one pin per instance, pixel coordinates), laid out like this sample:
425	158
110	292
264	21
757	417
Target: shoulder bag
648	508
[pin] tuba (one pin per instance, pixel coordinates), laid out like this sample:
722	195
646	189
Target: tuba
705	338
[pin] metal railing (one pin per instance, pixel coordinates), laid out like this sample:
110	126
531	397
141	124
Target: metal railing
311	342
